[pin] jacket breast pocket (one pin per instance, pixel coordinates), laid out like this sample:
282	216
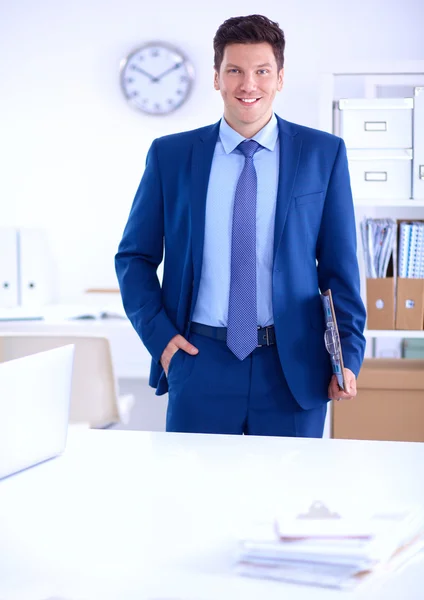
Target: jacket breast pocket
315	197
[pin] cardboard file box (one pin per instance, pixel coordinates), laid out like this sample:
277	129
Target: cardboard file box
410	304
389	405
376	122
381	303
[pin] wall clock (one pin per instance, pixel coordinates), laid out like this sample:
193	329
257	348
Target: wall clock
156	78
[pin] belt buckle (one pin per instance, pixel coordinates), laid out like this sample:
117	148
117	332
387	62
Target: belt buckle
266	336
259	345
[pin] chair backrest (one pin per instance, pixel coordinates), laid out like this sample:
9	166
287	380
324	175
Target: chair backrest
94	390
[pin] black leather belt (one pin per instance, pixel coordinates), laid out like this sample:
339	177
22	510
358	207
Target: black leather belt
266	335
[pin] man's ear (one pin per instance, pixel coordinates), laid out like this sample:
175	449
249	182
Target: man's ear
280	80
216	80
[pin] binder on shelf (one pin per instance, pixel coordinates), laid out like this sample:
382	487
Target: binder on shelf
404	244
379	244
9	281
410	283
35	268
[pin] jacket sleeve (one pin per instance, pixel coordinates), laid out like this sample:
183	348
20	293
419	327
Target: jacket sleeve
338	263
139	254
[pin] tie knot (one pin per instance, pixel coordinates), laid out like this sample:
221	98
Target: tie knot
249	147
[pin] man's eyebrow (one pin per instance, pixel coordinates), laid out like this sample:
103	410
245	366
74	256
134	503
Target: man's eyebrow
257	66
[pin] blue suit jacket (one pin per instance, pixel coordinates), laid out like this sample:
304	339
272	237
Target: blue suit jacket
314	249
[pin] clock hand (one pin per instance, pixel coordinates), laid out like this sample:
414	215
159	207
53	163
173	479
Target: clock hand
135	68
176	66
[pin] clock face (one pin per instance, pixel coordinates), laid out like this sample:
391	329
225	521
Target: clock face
156	78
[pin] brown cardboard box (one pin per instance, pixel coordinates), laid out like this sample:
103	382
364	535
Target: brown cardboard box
410	304
389	404
381	303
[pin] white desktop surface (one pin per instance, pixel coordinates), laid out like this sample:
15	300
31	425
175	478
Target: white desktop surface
134	515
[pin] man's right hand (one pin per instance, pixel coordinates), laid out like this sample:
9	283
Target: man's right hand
178	342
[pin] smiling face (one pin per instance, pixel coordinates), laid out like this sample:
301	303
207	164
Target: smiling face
248	80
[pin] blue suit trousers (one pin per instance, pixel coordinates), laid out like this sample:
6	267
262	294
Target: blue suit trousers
215	392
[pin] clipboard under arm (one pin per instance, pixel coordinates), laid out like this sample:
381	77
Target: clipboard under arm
332	339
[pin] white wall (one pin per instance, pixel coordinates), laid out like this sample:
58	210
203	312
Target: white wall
72	152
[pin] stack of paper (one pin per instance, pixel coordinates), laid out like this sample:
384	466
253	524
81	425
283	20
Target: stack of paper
324	548
379	242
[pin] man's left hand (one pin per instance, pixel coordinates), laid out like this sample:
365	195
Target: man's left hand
335	393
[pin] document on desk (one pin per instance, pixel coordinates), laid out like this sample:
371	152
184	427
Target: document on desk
333	549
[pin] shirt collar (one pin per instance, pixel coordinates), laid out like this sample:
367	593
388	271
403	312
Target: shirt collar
266	137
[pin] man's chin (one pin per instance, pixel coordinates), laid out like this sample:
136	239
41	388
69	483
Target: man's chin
248	116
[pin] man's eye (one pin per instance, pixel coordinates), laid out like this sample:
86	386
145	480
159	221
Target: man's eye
263	71
233	71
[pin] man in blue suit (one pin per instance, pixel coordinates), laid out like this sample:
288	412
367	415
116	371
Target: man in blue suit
255	217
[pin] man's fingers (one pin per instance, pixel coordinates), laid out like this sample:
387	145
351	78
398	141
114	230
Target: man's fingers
185	345
335	393
178	342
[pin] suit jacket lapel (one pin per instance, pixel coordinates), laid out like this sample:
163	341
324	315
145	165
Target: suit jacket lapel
290	148
203	150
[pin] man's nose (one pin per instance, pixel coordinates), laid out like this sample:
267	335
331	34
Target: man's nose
248	84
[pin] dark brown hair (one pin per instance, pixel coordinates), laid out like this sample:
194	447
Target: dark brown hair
252	29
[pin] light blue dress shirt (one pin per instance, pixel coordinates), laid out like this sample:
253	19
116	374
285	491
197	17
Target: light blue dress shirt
227	164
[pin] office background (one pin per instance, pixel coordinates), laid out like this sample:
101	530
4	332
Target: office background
73	151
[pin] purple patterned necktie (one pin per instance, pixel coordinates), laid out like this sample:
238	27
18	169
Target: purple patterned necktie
242	328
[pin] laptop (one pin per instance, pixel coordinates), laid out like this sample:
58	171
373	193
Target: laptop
35	394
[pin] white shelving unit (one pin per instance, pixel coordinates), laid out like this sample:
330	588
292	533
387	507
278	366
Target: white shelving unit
393	333
406	74
366	80
405	203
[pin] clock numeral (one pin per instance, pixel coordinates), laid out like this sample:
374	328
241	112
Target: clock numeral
180	92
183	78
129	80
141	57
134	94
155	52
170	101
157	106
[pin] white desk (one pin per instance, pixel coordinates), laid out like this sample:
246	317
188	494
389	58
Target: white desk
135	516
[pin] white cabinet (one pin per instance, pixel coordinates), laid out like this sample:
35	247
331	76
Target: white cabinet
9	278
26	268
35	268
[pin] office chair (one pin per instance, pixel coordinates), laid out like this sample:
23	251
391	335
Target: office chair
94	400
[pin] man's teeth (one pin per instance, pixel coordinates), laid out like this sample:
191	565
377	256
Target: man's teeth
249	100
